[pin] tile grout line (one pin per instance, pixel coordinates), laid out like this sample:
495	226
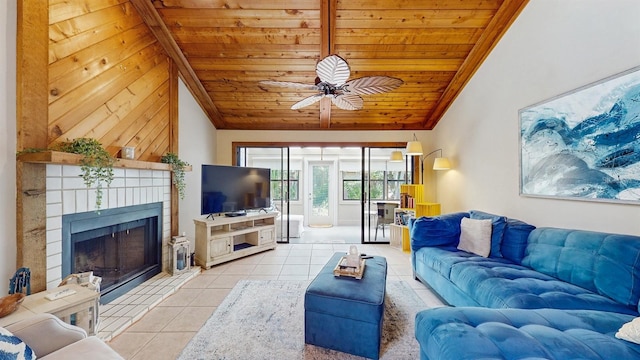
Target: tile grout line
113	322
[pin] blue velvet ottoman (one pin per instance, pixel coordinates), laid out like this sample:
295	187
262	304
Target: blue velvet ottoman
346	314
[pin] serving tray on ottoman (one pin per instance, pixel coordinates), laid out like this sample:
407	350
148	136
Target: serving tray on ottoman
345	314
342	269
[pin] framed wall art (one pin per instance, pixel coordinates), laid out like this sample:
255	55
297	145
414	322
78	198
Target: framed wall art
584	144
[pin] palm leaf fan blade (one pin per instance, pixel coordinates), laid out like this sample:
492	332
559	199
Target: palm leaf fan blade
348	101
373	85
333	70
307	101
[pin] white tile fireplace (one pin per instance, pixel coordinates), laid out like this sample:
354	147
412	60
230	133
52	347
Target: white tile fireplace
66	194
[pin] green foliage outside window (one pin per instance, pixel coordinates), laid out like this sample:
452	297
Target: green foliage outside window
320	185
382	185
279	185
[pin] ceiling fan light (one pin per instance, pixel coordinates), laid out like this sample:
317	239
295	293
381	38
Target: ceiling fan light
414	148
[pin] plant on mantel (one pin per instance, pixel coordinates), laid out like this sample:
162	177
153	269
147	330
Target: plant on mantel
96	164
178	166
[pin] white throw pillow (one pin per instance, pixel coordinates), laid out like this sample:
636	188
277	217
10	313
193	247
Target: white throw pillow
630	331
475	236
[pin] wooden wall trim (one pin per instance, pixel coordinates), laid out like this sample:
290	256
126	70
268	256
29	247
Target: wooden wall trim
32	43
173	142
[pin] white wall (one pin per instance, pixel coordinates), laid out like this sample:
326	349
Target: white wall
553	47
8	17
197	146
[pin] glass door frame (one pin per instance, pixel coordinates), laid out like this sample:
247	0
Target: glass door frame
282	205
366	208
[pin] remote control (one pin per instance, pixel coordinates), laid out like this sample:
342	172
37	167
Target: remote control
60	294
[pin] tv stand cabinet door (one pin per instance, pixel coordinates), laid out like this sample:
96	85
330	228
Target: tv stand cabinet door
219	247
268	236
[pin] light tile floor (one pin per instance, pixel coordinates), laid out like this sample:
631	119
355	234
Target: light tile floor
163	331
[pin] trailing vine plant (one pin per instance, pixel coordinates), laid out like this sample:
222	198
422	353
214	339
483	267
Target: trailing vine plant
177	166
96	165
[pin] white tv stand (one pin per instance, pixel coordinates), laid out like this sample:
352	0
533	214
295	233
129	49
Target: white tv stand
228	238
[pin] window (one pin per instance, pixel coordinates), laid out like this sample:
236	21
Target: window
382	185
279	185
351	185
394	180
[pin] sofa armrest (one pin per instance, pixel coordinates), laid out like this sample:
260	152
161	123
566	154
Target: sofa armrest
45	333
443	230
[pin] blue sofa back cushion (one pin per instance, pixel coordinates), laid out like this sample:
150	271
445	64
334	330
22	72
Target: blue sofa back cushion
608	264
443	230
515	239
498	225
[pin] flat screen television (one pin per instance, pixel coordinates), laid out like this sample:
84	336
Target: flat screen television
233	189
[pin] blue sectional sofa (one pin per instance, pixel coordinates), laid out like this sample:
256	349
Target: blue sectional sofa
541	293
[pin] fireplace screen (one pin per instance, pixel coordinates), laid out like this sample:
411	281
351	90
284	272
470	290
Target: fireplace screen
114	256
122	246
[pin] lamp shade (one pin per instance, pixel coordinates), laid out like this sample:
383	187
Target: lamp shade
414	148
396	156
441	163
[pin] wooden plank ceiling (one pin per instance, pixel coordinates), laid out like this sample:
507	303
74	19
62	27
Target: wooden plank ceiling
223	48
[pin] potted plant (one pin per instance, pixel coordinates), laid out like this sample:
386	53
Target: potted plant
178	166
96	164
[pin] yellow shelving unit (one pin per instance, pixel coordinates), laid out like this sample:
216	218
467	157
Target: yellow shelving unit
411	201
411	194
427	209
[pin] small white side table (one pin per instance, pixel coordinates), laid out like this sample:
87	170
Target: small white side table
80	309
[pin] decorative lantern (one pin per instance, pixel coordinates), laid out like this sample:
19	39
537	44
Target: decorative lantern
181	250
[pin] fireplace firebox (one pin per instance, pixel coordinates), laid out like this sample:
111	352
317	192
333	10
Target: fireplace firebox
123	246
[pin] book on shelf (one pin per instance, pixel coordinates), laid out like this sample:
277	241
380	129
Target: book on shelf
402	217
406	201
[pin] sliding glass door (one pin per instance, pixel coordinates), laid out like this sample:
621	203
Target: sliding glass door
381	179
284	185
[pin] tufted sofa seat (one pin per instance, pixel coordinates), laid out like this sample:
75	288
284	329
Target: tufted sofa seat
541	275
521	334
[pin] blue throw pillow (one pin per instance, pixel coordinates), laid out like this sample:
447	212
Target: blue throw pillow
12	347
443	230
498	224
514	241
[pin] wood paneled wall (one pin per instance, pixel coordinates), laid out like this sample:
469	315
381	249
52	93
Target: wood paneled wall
108	78
86	68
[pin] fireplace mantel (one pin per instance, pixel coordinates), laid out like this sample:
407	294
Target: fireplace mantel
63	158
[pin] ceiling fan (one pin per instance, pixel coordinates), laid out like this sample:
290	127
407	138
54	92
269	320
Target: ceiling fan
333	73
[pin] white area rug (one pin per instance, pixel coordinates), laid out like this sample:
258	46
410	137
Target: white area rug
265	320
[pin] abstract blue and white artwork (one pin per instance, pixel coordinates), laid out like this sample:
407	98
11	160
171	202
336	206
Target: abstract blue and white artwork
585	144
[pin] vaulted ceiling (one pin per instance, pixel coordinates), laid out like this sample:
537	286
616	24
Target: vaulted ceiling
224	48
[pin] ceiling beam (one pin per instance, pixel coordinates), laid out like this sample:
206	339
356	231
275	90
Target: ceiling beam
327	29
504	17
152	18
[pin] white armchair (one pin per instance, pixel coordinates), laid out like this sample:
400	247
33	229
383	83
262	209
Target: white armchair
51	338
